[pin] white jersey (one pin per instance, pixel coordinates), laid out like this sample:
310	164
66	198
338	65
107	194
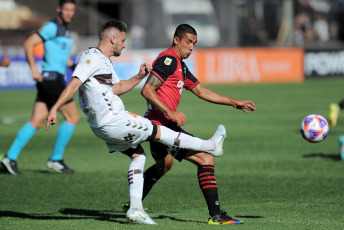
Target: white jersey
96	97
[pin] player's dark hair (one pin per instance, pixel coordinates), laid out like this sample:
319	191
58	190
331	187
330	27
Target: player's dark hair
112	24
62	2
182	29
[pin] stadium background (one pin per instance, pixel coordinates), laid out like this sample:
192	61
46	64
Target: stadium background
240	41
269	176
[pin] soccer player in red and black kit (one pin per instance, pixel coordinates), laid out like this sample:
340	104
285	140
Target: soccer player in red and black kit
163	90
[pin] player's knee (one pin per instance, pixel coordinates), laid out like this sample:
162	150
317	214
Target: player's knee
37	124
76	118
167	168
73	119
208	159
162	169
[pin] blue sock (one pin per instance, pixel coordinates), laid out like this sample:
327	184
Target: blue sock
23	137
63	137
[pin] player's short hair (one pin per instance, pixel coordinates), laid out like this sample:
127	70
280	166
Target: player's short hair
182	29
121	26
62	2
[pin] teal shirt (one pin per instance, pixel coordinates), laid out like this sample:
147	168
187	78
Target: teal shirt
57	46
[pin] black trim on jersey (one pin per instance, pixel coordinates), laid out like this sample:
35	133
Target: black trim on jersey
105	79
37	32
187	74
61	30
163	70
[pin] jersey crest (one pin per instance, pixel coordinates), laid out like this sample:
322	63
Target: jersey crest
88	61
168	61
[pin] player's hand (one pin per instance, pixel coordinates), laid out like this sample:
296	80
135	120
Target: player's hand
37	76
244	105
144	70
179	117
51	119
5	61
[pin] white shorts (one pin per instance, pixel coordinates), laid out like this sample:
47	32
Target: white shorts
125	130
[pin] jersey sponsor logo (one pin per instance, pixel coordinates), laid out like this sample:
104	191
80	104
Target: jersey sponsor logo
180	85
168	61
88	61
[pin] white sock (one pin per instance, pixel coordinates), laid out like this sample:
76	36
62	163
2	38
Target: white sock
181	140
135	179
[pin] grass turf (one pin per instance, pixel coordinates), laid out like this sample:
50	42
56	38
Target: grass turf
269	177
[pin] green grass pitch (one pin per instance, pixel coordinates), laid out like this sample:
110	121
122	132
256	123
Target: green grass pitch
269	177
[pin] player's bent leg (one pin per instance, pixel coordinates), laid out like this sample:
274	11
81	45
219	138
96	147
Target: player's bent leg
56	162
136	214
174	139
135	176
200	158
206	180
38	117
155	172
207	183
70	113
152	175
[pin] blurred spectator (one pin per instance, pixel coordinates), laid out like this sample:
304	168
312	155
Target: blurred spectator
138	36
253	35
303	29
6	61
322	28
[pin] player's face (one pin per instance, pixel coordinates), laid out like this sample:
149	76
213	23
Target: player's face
119	44
185	46
66	12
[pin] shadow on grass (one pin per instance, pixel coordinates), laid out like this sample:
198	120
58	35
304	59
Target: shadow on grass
84	214
79	214
177	219
200	222
252	217
334	157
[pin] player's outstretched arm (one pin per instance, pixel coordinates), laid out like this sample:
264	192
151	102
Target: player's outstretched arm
211	96
126	85
66	94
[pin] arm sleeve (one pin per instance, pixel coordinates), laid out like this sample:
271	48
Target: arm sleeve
86	67
190	81
164	67
47	31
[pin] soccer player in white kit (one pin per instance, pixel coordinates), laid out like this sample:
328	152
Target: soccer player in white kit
99	91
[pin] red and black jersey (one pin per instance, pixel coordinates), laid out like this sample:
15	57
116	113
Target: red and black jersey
175	75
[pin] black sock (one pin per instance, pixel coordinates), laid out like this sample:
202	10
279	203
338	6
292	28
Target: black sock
341	104
207	183
151	176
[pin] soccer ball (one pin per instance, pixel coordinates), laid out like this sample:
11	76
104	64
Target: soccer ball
314	128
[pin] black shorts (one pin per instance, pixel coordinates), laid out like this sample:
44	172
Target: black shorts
159	151
50	89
